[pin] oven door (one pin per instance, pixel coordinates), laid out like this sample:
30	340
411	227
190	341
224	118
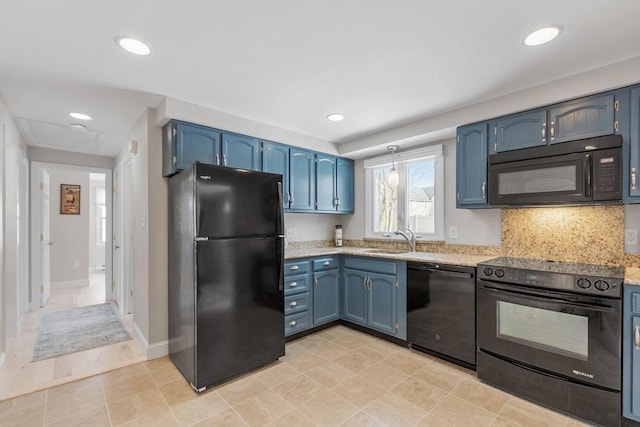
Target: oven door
544	181
575	336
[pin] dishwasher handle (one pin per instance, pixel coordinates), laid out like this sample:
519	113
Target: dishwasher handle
442	271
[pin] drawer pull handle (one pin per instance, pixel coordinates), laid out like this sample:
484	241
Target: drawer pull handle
293	267
293	304
327	263
293	284
293	323
636	337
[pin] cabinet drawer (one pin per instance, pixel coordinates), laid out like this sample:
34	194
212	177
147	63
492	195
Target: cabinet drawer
297	284
325	263
296	303
296	267
635	302
372	265
296	323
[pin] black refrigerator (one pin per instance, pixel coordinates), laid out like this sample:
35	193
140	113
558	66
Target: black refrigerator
226	249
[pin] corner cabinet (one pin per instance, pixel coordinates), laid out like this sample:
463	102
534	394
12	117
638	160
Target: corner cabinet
471	166
374	294
184	143
631	354
334	184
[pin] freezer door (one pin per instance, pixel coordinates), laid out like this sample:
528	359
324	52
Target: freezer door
236	203
240	307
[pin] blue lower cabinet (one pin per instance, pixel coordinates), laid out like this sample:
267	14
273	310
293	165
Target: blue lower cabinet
296	323
375	294
326	296
298	299
631	353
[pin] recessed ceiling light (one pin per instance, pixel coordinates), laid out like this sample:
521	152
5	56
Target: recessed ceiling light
335	117
78	126
80	116
542	36
133	46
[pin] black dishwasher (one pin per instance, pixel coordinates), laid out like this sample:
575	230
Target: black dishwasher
441	311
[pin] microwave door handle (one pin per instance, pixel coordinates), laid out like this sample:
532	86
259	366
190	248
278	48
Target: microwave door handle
587	175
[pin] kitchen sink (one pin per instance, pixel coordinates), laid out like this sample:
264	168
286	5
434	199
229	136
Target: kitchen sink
385	251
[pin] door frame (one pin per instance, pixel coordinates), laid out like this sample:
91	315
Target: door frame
34	303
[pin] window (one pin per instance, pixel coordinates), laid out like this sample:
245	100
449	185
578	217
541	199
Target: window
417	202
101	217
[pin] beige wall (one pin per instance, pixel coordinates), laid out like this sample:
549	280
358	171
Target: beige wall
69	233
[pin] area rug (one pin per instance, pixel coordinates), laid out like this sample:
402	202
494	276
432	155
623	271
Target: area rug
77	329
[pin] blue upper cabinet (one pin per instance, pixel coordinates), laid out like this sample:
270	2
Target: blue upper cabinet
239	151
522	130
632	180
583	118
302	179
471	166
275	159
325	183
344	185
185	143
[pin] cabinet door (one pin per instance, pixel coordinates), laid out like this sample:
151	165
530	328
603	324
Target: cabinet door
522	130
354	296
634	143
582	118
301	179
471	165
382	302
275	159
239	151
325	183
326	287
344	185
195	143
635	373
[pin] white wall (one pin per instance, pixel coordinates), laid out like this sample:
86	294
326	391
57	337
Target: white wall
311	226
69	233
632	221
475	226
96	251
12	235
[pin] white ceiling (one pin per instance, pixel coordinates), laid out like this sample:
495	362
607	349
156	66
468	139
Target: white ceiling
289	63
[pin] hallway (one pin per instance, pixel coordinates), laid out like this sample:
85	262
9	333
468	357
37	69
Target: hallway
19	375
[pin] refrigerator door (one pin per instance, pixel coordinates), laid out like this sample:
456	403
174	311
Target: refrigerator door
234	203
239	307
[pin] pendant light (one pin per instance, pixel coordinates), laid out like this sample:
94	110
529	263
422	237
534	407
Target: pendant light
393	178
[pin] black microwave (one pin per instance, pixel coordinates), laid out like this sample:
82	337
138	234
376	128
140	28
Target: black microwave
587	171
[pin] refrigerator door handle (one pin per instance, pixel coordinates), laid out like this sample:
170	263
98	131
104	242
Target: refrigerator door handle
280	230
281	264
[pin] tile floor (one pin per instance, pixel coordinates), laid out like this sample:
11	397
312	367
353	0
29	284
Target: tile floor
19	375
336	377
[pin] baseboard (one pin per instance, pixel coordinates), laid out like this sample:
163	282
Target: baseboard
154	350
70	284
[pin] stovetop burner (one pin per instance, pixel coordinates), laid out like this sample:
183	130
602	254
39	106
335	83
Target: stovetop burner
578	278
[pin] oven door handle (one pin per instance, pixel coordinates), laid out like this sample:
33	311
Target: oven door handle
531	296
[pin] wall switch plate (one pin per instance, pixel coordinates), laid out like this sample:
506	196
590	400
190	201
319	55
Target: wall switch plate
292	232
630	236
453	232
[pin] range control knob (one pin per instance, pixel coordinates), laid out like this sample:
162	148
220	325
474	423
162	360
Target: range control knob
487	271
601	285
499	273
584	283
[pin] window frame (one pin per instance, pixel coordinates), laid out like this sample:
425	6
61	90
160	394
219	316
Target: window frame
401	160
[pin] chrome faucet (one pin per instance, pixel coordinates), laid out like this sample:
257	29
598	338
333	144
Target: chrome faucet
409	236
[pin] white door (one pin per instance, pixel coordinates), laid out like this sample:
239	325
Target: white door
45	242
126	246
116	290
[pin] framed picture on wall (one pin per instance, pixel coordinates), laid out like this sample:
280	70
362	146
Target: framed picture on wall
69	199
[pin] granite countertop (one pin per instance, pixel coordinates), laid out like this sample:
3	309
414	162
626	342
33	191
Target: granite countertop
632	276
440	258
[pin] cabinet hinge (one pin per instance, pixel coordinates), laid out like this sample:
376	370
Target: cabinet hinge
397	284
495	146
458	138
175	160
616	106
495	130
458	196
397	325
615	126
174	131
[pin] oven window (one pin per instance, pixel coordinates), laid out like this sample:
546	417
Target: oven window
561	333
543	180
